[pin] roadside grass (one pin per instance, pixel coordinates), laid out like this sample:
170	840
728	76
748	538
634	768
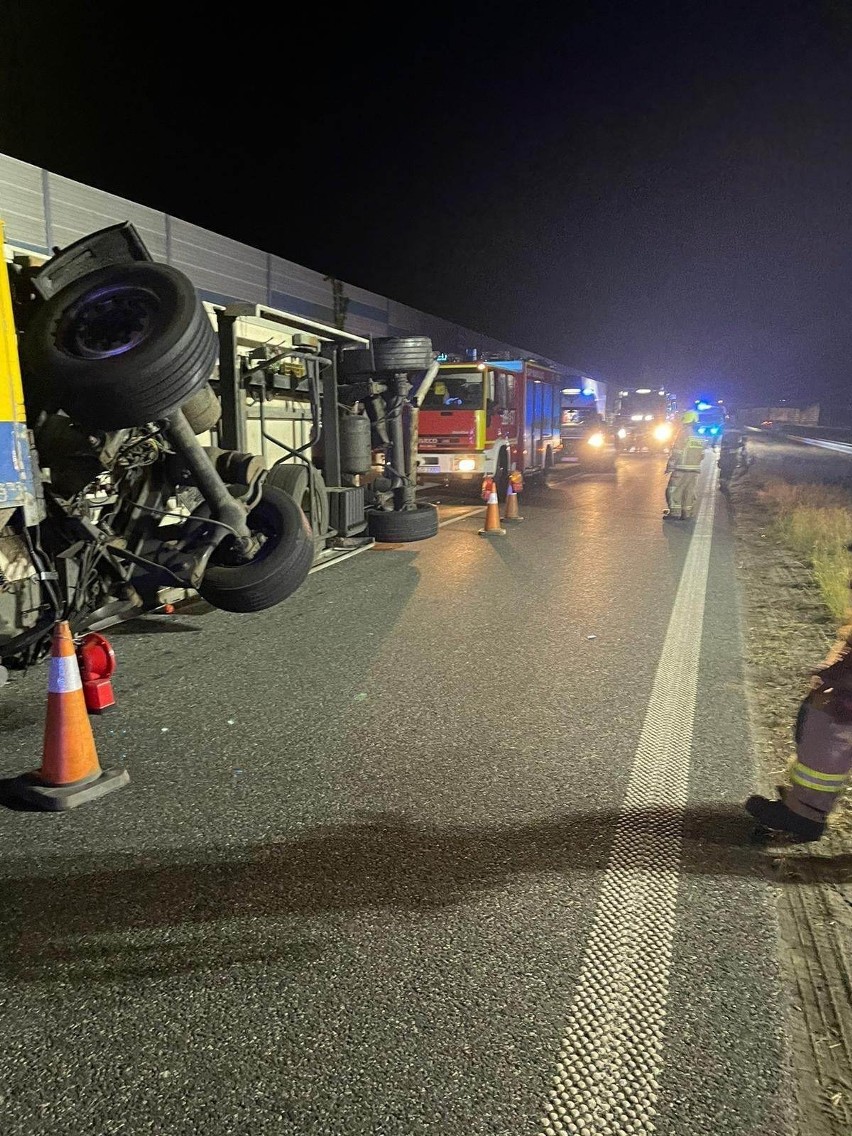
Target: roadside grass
815	522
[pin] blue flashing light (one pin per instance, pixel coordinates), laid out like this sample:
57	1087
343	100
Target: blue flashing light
700	404
588	392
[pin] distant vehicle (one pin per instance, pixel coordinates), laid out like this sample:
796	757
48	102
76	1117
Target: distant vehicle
586	438
643	420
711	420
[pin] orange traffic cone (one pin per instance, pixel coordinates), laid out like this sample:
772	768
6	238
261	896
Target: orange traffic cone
512	516
70	772
492	517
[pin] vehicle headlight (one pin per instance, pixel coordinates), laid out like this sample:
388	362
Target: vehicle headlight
467	465
596	440
663	432
622	433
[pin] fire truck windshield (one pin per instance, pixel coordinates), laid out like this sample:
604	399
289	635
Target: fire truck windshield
460	390
638	404
579	415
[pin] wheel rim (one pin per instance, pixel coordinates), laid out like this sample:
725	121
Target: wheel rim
262	521
109	322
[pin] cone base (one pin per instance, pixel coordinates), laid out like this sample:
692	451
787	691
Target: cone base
510	520
492	532
58	798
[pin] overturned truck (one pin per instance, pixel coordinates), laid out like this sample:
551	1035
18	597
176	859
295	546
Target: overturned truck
153	445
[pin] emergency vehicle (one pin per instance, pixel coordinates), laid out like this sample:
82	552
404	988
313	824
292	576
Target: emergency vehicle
489	417
644	420
711	420
586	438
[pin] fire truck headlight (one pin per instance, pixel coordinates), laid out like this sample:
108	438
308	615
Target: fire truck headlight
663	432
467	465
596	440
622	433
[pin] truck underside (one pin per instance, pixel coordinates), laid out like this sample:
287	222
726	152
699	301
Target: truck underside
130	473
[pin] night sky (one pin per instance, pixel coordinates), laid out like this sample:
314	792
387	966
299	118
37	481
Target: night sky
651	192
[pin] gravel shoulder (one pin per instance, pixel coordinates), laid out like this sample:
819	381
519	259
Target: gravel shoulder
789	632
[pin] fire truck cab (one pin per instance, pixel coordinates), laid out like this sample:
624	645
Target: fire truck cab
644	420
489	417
586	438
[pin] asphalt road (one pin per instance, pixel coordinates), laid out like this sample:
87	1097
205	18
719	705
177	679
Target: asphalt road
451	842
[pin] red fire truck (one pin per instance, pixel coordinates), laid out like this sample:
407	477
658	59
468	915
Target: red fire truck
489	416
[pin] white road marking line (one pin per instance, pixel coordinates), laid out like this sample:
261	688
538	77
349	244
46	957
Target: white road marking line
607	1075
338	559
461	517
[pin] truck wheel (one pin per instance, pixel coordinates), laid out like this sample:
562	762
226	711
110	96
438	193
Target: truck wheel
412	353
279	567
404	525
293	479
121	346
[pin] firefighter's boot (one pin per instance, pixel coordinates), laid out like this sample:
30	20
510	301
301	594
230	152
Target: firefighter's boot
775	816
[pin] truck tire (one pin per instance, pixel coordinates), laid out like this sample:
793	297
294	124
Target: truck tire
412	353
293	479
403	526
277	570
203	410
121	346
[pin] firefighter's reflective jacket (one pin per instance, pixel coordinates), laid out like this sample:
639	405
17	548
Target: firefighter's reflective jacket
687	453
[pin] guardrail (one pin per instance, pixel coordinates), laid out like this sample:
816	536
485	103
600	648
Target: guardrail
823	437
823	443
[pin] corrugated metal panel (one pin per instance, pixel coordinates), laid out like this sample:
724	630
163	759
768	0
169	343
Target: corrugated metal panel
76	210
369	303
361	325
299	307
218	264
22	203
293	280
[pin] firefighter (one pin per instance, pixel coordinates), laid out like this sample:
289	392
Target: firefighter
733	460
823	754
684	463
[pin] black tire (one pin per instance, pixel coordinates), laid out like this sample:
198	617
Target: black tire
280	566
203	410
412	353
293	479
121	346
403	526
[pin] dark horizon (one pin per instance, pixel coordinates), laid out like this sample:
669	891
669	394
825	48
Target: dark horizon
654	193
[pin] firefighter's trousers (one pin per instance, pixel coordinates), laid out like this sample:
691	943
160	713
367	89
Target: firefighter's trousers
681	492
823	760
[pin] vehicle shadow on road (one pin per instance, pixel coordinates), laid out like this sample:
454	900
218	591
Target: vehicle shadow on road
191	907
161	625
